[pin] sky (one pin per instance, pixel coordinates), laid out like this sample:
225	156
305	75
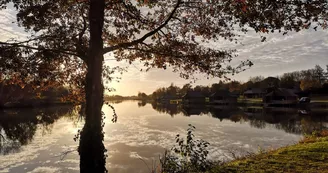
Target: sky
277	55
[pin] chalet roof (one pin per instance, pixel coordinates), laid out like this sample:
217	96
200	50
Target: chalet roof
254	91
282	92
222	93
193	94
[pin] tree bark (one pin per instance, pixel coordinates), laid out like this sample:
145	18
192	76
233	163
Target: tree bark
91	148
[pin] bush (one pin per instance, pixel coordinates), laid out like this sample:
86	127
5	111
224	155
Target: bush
187	156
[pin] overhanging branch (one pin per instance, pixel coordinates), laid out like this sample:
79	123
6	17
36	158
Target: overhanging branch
10	45
143	38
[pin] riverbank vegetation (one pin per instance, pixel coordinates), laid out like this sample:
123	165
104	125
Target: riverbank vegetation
27	95
309	155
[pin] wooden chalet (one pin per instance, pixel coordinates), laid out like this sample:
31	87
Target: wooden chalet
254	93
168	98
280	97
223	98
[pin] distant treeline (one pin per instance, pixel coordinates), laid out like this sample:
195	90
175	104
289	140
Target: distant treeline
313	80
15	95
118	97
140	96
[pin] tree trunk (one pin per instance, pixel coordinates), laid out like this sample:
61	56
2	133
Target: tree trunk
91	148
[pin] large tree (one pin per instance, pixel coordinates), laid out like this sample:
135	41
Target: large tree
69	38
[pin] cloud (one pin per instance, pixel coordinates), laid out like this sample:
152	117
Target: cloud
278	54
45	170
8	25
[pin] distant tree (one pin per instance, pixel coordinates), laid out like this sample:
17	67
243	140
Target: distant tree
247	85
185	88
219	86
234	86
256	81
319	73
173	90
270	82
11	93
205	90
307	84
288	80
142	96
310	78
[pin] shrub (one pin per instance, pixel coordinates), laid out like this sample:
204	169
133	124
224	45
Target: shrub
188	155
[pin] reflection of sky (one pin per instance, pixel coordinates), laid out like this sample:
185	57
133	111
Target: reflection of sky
144	133
140	135
279	54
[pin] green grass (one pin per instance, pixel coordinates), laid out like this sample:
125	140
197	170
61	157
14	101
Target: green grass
310	155
319	101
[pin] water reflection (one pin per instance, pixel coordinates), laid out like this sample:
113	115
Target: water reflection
142	132
290	120
142	103
171	109
18	127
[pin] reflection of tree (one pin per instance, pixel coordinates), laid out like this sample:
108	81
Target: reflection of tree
18	127
281	118
310	124
171	109
7	147
289	126
22	132
142	103
189	110
257	123
226	112
286	119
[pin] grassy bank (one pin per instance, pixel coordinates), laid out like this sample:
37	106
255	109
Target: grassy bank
309	155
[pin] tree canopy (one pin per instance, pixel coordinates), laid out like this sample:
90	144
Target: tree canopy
159	33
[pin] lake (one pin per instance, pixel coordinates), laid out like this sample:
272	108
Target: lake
42	140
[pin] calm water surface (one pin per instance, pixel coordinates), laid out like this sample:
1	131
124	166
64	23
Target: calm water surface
43	140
